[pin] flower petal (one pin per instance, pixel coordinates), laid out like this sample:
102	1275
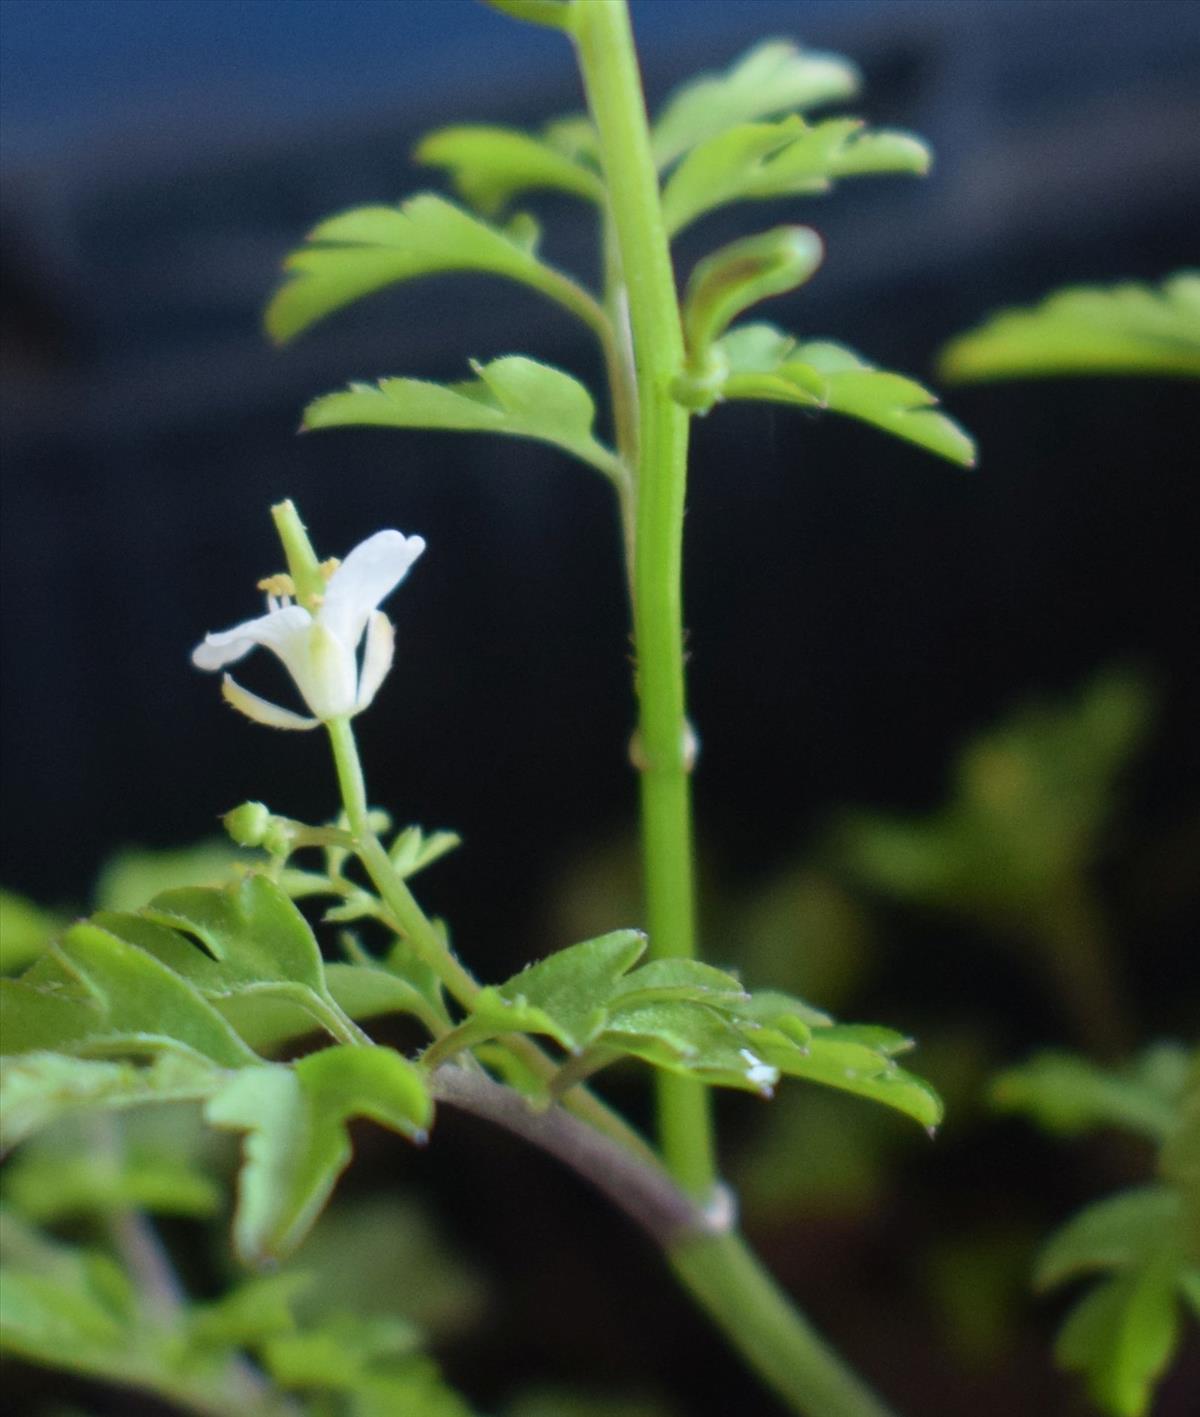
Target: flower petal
377	658
261	710
275	631
366	577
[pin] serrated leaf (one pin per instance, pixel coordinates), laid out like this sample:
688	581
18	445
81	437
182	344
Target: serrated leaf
511	395
1068	1094
37	1089
1121	1336
490	166
1115	1233
565	995
739	275
95	993
297	1145
364	250
694	1040
765	365
247	948
773	77
759	161
1120	329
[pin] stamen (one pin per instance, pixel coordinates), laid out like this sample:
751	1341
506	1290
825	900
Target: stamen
280	584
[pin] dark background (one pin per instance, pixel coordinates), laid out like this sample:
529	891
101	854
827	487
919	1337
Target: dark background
855	607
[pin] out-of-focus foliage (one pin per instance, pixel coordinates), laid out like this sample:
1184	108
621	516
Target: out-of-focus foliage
1140	1246
1120	329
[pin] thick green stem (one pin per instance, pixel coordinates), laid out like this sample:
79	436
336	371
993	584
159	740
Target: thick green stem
769	1332
663	745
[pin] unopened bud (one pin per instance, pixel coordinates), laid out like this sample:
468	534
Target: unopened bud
248	824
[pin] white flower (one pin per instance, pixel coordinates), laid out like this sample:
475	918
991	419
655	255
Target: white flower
320	649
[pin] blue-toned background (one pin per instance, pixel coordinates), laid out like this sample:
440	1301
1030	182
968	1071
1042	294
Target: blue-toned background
855	607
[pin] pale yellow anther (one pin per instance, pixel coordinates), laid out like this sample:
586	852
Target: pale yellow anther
327	568
278	584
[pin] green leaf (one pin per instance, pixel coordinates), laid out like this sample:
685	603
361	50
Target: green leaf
54	1187
94	993
247	948
773	77
131	878
694	1040
490	166
25	931
739	275
1121	1336
766	364
364	250
1119	329
1067	1094
789	158
566	995
37	1089
259	1308
1115	1233
412	850
297	1145
673	980
512	395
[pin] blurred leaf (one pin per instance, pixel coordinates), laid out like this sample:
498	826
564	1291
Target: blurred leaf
768	365
254	1310
25	931
512	395
364	250
1121	1336
1119	329
773	77
1065	1093
414	849
782	159
129	880
739	275
570	1402
297	1145
51	1187
1115	1233
364	1249
37	1089
1030	799
94	993
490	166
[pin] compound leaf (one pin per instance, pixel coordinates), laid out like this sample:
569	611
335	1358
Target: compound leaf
1115	1233
490	166
512	395
1121	1336
787	158
1119	329
297	1145
565	995
37	1089
363	250
773	77
765	364
1068	1094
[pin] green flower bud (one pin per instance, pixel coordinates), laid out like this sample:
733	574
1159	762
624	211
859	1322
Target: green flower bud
248	824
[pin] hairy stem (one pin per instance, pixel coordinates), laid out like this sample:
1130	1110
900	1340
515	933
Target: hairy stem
663	755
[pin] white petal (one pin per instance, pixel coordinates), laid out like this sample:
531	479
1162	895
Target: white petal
365	578
325	671
377	658
260	710
275	630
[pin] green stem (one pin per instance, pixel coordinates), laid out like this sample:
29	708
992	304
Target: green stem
606	54
769	1332
412	922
